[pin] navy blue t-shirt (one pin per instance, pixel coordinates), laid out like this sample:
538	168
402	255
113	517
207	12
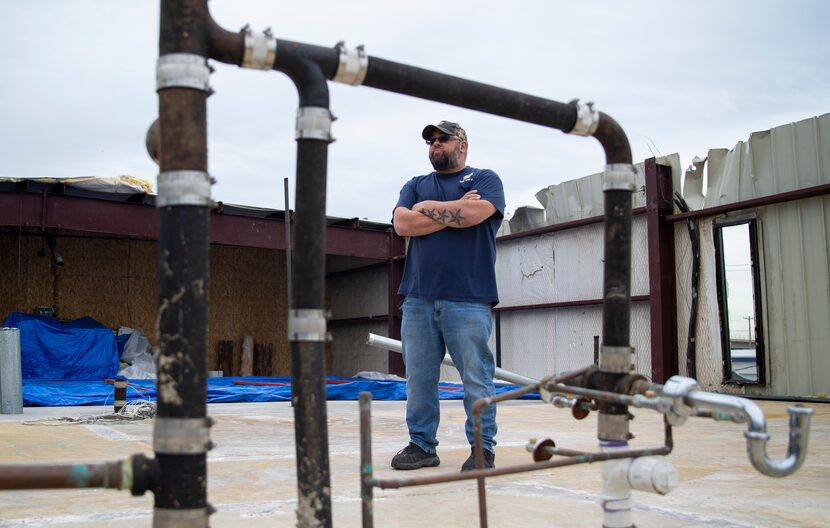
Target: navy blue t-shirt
454	264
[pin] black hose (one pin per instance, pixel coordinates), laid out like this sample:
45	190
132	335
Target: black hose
691	343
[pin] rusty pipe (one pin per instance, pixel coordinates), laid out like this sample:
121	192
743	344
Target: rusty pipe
115	475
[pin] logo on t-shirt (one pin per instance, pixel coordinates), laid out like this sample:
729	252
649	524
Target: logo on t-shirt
466	181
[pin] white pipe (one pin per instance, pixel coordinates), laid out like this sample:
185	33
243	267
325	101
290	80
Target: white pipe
619	477
394	345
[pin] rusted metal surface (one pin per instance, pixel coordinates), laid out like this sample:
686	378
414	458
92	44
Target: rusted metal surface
661	266
103	475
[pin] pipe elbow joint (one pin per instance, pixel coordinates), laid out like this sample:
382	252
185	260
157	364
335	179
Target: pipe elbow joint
756	445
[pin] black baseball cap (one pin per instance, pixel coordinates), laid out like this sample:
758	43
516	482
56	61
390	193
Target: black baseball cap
447	127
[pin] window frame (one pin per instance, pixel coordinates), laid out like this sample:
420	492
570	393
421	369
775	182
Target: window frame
722	297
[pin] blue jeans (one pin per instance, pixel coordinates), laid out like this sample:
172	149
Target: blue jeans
464	328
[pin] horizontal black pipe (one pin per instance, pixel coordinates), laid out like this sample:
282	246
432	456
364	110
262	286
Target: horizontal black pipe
563	304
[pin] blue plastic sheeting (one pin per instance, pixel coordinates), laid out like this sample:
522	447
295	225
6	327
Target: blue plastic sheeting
83	349
42	393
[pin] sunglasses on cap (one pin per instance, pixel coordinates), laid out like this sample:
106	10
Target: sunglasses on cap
443	138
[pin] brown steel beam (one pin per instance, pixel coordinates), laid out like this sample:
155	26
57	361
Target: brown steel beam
396	263
563	304
102	216
798	194
661	271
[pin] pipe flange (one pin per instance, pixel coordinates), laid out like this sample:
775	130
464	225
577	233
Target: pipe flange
616	359
260	49
184	187
308	325
183	70
182	436
314	122
619	177
587	119
677	388
354	63
170	518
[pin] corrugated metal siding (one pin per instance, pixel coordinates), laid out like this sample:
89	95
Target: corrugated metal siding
795	256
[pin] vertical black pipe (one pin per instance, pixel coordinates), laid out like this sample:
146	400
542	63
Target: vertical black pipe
616	306
308	293
366	470
182	263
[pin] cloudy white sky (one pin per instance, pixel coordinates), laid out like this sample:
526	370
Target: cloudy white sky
77	87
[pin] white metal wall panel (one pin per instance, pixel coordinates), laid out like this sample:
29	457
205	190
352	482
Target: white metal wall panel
796	237
564	266
539	343
582	198
785	158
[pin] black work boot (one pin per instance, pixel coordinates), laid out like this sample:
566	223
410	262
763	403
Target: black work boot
470	463
413	457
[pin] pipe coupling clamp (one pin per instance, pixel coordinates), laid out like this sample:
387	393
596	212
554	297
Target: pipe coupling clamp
354	63
314	122
260	49
183	70
184	187
170	518
619	177
616	359
678	388
613	427
182	436
587	119
308	325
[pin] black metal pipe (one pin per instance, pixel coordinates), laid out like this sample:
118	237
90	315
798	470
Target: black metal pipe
182	263
366	469
425	84
308	293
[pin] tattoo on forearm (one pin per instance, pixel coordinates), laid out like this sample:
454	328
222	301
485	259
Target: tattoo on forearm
443	216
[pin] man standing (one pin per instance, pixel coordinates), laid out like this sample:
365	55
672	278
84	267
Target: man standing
451	216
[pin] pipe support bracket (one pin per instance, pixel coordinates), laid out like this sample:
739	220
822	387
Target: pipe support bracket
260	49
308	325
354	63
184	187
619	177
587	119
182	436
314	122
616	359
183	70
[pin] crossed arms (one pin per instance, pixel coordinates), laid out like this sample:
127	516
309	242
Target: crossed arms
430	216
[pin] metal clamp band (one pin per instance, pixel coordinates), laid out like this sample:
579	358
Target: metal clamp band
182	70
184	187
619	360
619	177
354	63
260	49
314	122
308	325
191	518
182	436
587	119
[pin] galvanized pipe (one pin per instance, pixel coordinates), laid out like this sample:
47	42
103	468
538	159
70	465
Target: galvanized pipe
11	381
394	345
757	436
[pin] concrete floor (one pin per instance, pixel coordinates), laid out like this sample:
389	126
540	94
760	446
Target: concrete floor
251	478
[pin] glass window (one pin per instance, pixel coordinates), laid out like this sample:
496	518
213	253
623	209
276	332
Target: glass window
739	301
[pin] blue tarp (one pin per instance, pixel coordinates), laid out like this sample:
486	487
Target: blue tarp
53	393
83	349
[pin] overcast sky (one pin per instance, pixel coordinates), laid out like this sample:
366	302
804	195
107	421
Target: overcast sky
77	87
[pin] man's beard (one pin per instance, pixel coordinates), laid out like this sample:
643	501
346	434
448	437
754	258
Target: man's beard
444	160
